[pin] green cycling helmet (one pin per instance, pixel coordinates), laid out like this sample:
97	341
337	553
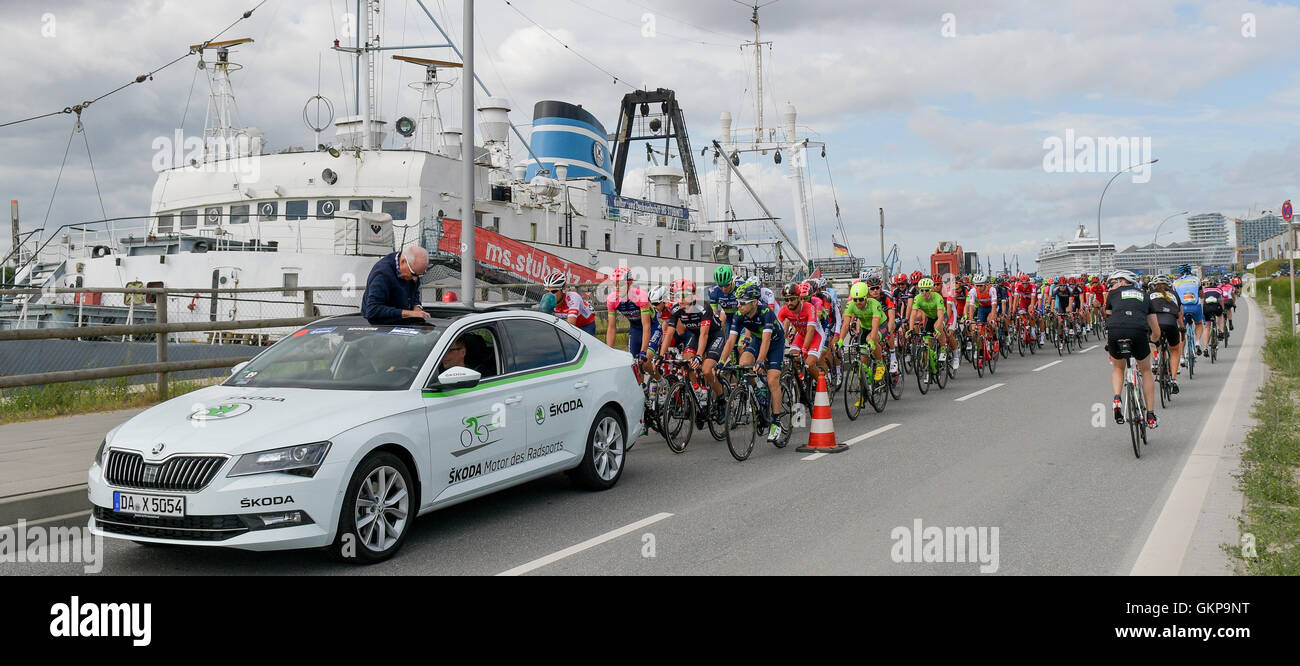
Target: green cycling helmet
858	290
722	275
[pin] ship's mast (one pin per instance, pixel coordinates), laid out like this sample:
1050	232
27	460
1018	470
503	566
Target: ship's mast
795	149
758	78
222	119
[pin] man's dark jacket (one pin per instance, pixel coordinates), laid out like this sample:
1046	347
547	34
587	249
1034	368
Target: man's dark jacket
387	294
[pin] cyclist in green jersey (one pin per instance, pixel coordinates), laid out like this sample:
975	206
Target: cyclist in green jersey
865	316
929	307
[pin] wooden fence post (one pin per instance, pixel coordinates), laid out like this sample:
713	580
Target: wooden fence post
160	315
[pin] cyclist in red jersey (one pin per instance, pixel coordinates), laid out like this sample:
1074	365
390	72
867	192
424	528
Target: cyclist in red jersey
800	321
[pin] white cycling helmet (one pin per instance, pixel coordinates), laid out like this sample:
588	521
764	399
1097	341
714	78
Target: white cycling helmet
1122	274
980	278
865	275
557	280
659	294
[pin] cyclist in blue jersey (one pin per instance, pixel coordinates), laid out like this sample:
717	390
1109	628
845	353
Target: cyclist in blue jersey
722	295
1189	296
766	348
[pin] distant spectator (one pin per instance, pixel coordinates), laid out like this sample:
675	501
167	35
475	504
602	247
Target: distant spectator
393	288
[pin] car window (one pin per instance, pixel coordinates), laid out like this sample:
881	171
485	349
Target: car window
536	344
482	353
570	345
333	356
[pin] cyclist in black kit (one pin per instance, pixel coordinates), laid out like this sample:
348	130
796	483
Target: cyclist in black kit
1129	316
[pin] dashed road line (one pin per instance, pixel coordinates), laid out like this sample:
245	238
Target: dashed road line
1046	366
589	543
968	396
1089	349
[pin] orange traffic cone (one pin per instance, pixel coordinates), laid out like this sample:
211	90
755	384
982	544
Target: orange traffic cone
822	437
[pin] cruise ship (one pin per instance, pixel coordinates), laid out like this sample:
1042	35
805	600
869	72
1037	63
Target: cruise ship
1075	256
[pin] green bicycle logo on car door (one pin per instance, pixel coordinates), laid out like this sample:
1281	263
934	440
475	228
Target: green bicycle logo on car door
477	433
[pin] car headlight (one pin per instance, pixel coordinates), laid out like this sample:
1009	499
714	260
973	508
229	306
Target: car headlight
101	453
303	460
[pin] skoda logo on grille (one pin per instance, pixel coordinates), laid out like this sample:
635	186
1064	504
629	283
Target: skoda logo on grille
158	448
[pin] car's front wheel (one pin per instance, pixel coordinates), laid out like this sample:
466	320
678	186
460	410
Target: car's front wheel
602	461
378	510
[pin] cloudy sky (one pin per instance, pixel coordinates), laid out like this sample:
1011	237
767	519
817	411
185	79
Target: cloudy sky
941	112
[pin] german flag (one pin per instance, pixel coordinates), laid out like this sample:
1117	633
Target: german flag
841	250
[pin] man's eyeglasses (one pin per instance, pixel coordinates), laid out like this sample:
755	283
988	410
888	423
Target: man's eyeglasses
860	300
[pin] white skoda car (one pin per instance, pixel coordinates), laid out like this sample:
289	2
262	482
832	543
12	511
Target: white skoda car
342	433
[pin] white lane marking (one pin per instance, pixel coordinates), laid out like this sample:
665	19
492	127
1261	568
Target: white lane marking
855	440
1170	537
1046	366
968	396
1088	349
871	434
589	543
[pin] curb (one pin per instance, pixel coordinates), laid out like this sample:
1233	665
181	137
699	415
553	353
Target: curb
54	508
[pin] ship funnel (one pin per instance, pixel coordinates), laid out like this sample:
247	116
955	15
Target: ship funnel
726	126
665	180
451	142
788	113
494	120
568	134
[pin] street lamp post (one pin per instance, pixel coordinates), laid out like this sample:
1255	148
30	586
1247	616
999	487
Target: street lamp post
1103	196
1157	235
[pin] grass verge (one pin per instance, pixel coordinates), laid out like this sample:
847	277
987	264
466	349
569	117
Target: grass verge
1272	456
30	403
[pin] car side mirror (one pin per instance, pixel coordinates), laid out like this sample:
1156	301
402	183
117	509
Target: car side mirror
237	367
457	378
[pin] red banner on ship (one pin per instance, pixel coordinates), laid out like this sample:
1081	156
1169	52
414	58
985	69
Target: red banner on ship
498	252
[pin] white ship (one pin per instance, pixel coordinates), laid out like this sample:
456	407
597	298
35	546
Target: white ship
1075	256
226	214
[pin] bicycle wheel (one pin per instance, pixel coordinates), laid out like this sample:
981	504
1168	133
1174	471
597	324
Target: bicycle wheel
993	364
717	416
787	414
940	372
679	416
879	394
948	366
1130	413
979	360
1020	340
896	380
743	422
922	369
854	396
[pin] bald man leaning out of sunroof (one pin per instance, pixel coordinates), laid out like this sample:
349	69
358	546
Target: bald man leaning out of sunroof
393	288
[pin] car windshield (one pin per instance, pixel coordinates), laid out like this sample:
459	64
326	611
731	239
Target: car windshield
372	358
